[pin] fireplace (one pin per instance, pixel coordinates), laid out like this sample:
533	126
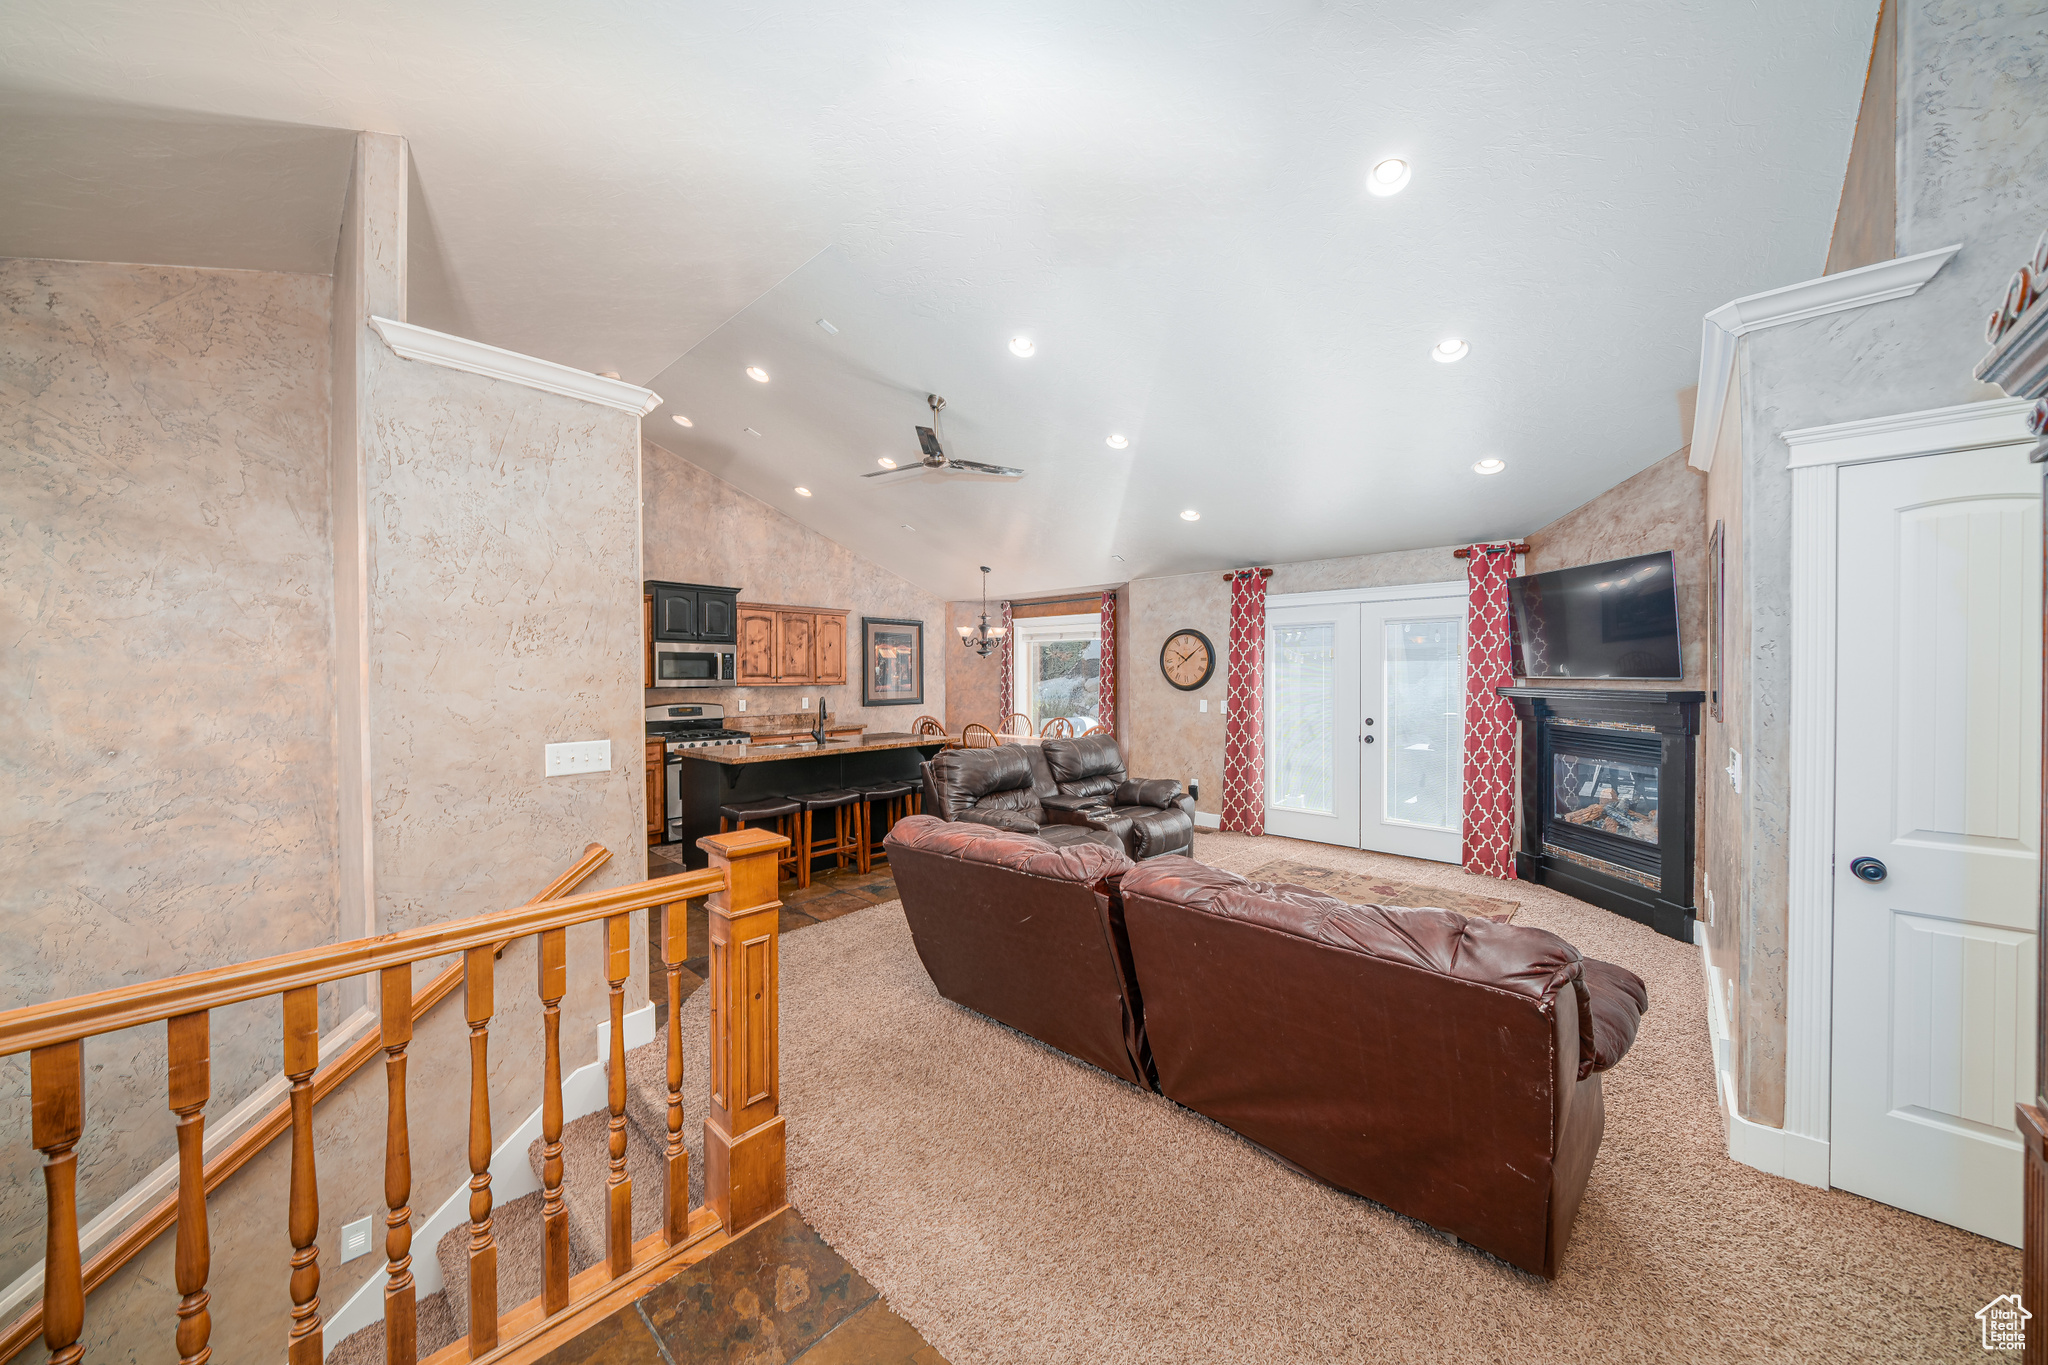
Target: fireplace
1607	798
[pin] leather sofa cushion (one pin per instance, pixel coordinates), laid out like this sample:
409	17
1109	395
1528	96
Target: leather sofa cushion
1089	863
1616	1000
1159	792
999	779
1090	766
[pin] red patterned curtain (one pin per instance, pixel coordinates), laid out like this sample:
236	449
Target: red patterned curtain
1005	701
1489	719
1244	729
1108	707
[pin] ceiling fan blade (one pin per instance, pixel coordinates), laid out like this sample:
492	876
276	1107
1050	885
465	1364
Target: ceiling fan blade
977	467
915	467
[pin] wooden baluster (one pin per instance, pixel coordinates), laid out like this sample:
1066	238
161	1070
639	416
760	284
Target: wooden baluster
301	1060
744	1178
56	1078
554	1214
191	1086
483	1248
618	965
676	1159
401	1307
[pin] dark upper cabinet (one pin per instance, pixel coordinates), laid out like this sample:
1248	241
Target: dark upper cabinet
693	613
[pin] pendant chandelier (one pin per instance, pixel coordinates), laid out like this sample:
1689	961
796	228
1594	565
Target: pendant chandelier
984	638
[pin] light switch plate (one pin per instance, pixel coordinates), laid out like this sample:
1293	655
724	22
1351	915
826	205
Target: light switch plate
804	702
743	703
1734	771
582	756
355	1239
1204	705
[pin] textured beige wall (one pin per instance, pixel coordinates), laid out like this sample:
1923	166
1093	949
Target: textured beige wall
973	684
700	529
1662	508
1166	732
164	570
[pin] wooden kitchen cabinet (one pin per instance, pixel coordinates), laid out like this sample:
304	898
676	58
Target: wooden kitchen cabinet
657	789
790	645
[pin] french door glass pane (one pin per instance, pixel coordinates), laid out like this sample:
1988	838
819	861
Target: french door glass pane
1066	680
1425	687
1305	717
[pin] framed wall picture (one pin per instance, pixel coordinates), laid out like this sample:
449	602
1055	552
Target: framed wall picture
892	662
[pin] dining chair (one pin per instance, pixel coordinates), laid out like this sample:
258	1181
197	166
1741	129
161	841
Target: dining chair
977	736
1059	727
1009	728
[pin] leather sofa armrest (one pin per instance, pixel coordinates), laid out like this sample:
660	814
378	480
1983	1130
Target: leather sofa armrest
1159	792
1074	810
1000	819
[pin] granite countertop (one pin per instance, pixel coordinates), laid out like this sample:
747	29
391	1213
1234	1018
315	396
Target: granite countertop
777	753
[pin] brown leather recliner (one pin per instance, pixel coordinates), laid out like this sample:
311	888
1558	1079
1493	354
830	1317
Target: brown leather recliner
1007	787
1155	815
1027	933
1447	1067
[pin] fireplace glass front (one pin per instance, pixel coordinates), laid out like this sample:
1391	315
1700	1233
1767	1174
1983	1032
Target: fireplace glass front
1618	797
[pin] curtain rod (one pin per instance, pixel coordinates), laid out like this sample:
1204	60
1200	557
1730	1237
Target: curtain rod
1518	547
1240	573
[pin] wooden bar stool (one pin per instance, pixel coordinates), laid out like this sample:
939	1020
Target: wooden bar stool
785	811
895	798
846	832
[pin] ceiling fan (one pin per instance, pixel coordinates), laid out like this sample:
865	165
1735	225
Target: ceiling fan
936	458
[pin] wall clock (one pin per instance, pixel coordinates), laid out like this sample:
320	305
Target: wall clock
1187	659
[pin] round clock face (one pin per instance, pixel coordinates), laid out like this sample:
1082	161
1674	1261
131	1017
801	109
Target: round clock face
1187	659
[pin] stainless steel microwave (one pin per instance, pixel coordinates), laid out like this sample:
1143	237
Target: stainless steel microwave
693	665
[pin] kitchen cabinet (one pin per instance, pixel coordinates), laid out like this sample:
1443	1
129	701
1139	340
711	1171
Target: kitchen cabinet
692	613
785	646
657	789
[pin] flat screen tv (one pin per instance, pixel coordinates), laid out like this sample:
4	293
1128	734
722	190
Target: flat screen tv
1612	620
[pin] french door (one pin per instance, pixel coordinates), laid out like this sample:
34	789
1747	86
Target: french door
1365	705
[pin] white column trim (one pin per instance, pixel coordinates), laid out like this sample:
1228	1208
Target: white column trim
1719	331
1967	426
1810	780
460	353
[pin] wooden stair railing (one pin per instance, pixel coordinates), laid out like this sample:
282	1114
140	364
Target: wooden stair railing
743	1133
238	1154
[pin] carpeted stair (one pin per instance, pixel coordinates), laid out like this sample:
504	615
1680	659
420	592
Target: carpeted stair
516	1225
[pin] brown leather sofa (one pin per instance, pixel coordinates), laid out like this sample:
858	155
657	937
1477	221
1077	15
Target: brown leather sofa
1029	934
1154	815
1447	1067
1009	787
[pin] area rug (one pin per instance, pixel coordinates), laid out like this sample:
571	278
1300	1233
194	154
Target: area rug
1361	890
1018	1206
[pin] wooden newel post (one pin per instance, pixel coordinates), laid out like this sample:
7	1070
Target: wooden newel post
743	1133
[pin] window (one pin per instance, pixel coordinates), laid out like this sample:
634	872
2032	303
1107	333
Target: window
1058	662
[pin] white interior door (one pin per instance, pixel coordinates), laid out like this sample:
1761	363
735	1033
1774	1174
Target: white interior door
1412	704
1312	723
1936	776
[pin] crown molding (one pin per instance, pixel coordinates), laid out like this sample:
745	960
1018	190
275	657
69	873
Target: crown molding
460	353
1967	426
1720	330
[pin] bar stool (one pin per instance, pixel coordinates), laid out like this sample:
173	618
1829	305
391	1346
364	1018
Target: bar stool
846	833
785	811
895	798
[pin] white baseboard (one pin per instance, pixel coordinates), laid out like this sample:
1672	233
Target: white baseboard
1205	820
1773	1151
583	1092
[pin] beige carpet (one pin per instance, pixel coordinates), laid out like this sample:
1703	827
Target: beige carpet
1360	889
1017	1206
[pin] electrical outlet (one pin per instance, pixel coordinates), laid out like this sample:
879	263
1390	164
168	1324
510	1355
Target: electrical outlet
355	1239
743	703
1195	789
804	702
582	756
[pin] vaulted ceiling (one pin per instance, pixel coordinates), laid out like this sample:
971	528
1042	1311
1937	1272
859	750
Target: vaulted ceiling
1167	199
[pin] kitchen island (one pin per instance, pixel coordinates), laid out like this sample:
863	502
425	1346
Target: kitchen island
709	778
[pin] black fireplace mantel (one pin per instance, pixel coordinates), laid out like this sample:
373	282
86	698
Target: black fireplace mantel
1648	883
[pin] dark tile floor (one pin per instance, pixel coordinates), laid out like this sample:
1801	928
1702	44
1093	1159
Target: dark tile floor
778	1294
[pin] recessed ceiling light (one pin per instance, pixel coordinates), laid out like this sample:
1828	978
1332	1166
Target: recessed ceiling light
886	463
683	421
1022	347
803	492
1389	177
1191	515
1119	441
757	374
828	327
1489	466
908	527
1449	349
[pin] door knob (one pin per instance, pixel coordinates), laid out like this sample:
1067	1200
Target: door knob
1867	869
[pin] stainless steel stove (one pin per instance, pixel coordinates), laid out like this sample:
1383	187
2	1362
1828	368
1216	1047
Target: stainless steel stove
691	725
